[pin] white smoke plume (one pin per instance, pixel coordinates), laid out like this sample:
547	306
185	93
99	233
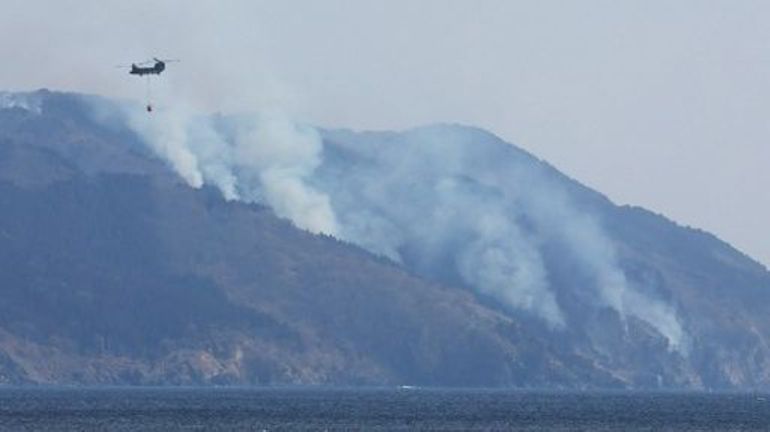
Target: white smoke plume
26	101
284	155
167	133
263	158
443	200
593	249
452	197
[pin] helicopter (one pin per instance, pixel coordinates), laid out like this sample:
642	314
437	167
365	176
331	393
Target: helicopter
142	69
155	69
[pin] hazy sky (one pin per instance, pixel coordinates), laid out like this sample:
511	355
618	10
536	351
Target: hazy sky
662	104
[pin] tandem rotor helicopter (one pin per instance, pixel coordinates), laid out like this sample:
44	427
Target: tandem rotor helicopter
148	68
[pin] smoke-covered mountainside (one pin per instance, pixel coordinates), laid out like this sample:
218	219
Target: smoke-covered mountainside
178	248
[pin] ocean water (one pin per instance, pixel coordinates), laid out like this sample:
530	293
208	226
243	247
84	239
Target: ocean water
189	409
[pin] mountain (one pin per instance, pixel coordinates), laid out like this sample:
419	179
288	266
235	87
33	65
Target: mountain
187	249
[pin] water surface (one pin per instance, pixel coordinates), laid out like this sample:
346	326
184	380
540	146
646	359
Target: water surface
193	409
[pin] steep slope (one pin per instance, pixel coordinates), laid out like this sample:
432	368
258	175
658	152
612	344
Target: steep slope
449	258
721	294
643	298
112	270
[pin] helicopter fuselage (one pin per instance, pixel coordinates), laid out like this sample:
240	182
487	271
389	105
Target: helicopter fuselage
155	69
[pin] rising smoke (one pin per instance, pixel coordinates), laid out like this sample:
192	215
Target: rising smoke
450	196
260	158
27	101
442	200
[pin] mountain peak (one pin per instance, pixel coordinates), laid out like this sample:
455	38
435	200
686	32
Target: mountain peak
439	255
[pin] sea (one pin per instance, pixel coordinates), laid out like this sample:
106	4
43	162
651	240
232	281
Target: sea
380	409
